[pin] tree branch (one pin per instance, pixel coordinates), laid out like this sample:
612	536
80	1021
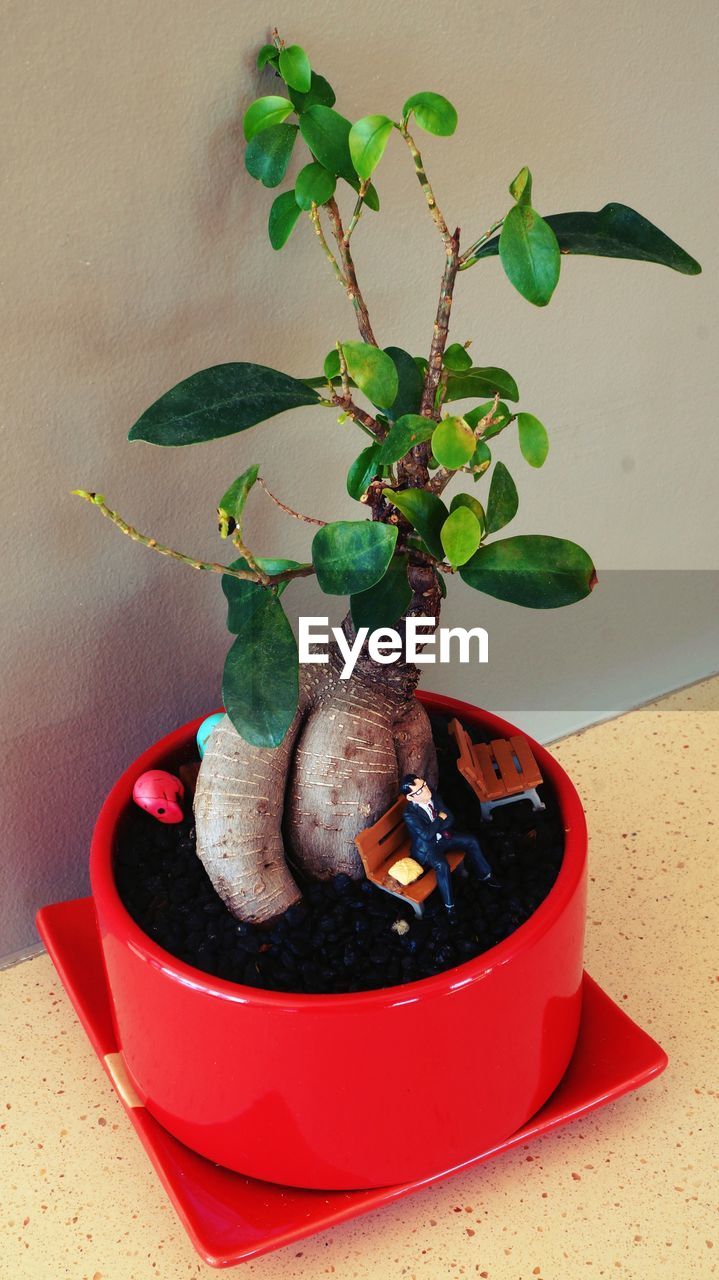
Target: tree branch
434	209
297	514
468	259
350	275
245	575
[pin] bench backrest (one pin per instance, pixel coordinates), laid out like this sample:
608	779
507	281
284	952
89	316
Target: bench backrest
388	835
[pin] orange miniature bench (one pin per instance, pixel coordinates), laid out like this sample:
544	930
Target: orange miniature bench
498	772
385	843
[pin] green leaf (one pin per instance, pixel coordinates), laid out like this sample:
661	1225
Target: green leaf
363	470
295	68
264	112
403	436
385	602
371	198
453	443
503	499
616	231
268	53
284	212
425	512
218	402
521	188
533	439
314	185
410	381
268	153
461	534
367	141
532	570
457	358
231	506
351	555
432	113
500	419
530	254
260	683
481	459
320	92
466	500
238	590
327	133
373	371
481	382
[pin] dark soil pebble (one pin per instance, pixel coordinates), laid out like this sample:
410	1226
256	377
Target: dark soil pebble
340	937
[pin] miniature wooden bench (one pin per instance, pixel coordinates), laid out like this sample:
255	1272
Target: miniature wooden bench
498	772
385	843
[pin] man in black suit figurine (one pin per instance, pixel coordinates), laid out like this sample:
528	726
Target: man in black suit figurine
430	822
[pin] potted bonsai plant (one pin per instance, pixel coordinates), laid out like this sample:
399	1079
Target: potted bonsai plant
308	754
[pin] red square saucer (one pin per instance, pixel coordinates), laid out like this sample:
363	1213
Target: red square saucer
231	1218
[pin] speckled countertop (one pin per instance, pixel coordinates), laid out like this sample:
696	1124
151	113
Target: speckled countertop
630	1191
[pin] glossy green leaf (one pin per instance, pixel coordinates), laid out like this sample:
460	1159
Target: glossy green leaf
457	358
410	384
268	153
406	432
260	682
373	371
503	499
501	418
320	93
466	500
231	506
616	231
295	69
521	188
453	443
481	459
480	383
371	198
327	133
367	141
432	112
425	512
284	212
461	534
314	185
533	439
268	53
264	112
351	555
218	402
237	590
532	570
530	254
362	472
385	602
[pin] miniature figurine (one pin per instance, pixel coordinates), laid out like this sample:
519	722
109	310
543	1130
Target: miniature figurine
429	822
206	728
159	793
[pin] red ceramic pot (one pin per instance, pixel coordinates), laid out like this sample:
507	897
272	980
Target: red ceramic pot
358	1090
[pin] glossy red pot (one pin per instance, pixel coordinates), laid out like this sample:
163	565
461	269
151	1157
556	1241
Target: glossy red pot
357	1090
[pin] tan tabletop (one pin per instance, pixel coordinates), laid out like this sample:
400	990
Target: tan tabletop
630	1191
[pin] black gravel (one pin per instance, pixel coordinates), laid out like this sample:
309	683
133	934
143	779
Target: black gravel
340	937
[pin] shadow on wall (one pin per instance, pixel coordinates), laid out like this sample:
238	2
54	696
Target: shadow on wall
134	673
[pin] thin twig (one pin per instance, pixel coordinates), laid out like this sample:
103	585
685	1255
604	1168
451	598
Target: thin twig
245	575
314	216
357	211
434	209
354	292
297	514
464	261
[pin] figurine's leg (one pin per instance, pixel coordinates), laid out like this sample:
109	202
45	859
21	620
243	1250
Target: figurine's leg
440	866
472	848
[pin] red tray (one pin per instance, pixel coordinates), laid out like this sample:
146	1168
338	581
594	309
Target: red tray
231	1218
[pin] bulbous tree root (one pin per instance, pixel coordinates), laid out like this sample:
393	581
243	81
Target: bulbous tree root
261	810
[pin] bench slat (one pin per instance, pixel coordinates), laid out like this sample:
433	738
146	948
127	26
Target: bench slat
491	785
530	768
512	780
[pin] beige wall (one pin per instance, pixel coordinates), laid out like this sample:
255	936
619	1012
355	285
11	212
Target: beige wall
134	253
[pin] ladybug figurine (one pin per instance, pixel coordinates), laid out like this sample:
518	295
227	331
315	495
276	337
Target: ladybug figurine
160	793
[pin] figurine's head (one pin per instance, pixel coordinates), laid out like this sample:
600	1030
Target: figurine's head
416	789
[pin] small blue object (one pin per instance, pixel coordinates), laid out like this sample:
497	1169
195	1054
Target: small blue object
205	730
